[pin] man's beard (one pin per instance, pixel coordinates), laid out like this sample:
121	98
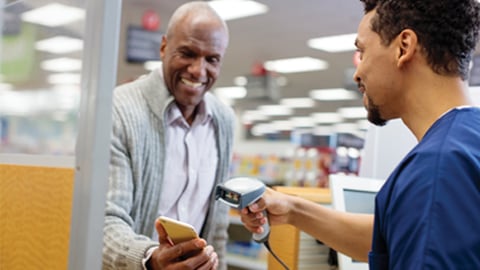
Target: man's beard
374	114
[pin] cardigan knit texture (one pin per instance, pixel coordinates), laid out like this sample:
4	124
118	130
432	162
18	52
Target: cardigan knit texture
137	158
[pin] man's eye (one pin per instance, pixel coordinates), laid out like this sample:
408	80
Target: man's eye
187	54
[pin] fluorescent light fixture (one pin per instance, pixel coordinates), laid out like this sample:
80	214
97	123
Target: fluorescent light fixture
352	112
262	129
293	65
59	44
327	118
333	94
64	78
340	43
251	116
54	14
302	121
234	9
240	80
231	92
151	65
298	102
63	64
274	110
282	125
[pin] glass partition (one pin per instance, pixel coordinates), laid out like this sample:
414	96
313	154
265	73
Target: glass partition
40	64
58	64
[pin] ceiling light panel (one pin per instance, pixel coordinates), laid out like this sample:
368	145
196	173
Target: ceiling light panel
64	78
63	64
275	110
231	92
262	129
340	43
333	94
235	9
250	116
302	121
59	45
327	118
353	112
54	15
293	65
298	102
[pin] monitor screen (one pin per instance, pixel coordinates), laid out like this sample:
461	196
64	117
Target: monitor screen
355	195
359	201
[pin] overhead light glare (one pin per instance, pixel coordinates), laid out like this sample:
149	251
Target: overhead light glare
235	9
63	64
327	118
262	129
59	45
231	92
302	121
282	125
298	102
54	15
240	81
275	110
293	65
333	44
353	112
64	78
333	94
251	116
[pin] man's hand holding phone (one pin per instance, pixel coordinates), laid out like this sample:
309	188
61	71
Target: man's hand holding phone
181	248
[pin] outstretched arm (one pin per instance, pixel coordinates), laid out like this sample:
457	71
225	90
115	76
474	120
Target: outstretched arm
347	233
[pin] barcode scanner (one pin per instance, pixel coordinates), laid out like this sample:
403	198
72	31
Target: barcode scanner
240	192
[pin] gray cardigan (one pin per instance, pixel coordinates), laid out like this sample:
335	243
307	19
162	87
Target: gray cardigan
136	172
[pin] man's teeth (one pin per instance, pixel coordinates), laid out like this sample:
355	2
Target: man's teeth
192	84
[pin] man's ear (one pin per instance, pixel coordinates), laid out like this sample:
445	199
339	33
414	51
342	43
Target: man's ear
407	44
163	46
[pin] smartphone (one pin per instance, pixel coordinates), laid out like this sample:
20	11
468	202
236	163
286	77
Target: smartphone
178	231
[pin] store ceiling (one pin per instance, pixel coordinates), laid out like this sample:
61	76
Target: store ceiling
282	32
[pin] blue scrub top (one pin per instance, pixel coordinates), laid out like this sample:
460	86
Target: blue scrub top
427	214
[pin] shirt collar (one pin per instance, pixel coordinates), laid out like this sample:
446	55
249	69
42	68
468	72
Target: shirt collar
204	113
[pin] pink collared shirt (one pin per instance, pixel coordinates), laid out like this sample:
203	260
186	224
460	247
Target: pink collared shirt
190	166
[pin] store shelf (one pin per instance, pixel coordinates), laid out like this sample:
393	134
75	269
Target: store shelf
246	262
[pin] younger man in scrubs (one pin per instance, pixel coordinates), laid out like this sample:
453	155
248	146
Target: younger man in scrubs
415	57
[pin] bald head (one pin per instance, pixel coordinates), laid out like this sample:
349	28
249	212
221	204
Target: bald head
195	12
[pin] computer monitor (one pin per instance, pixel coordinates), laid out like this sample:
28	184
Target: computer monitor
357	195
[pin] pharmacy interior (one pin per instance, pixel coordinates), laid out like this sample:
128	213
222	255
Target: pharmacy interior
295	127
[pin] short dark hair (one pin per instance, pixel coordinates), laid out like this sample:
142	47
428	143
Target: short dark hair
446	29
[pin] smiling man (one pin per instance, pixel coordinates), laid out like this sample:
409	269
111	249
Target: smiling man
171	145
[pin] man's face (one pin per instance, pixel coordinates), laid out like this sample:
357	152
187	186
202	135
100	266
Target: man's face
376	74
191	60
